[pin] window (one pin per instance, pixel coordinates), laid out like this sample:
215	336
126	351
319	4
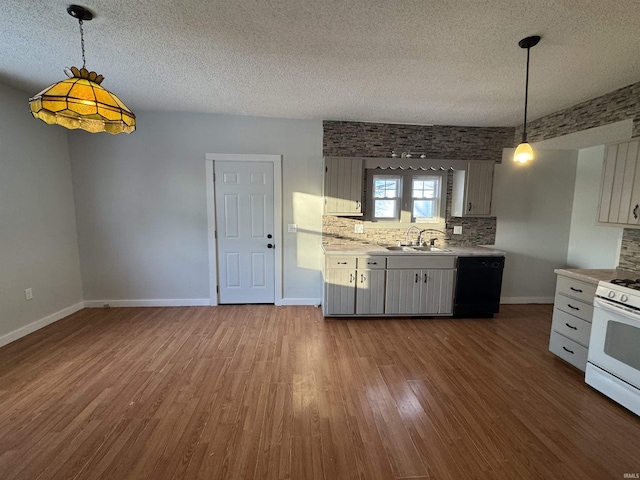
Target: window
425	198
409	197
386	197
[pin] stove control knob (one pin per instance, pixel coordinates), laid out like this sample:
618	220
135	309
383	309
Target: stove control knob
611	294
624	298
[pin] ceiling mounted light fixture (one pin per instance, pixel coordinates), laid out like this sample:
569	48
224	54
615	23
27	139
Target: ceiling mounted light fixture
524	152
80	101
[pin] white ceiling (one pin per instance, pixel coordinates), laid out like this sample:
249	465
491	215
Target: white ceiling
453	62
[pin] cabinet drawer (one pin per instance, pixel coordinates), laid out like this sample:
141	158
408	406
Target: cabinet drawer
421	261
575	307
341	261
571	327
568	350
372	263
575	288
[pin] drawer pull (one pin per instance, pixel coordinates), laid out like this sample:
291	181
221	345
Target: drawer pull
342	263
576	290
372	263
572	307
567	350
571	326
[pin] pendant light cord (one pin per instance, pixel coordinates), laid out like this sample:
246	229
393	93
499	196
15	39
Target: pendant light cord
84	61
526	97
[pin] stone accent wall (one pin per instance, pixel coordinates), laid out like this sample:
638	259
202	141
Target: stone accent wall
356	139
630	250
615	106
475	231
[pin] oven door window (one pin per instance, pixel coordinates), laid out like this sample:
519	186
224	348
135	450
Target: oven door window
621	342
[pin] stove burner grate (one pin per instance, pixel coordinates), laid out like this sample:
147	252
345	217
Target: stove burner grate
627	282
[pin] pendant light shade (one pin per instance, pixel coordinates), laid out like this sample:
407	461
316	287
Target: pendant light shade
80	101
524	152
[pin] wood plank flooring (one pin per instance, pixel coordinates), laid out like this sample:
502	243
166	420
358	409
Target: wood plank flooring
263	392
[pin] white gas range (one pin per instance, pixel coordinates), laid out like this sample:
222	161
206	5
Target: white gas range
613	365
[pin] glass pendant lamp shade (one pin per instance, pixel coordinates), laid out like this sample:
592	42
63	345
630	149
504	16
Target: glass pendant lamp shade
523	153
81	102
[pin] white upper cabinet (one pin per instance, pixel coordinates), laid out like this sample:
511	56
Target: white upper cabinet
343	186
620	187
472	190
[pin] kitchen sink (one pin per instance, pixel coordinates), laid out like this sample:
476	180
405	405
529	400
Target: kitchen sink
408	248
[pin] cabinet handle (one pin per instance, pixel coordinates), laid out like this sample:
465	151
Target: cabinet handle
571	326
635	211
417	277
425	278
572	307
362	278
576	289
566	349
372	263
351	278
469	209
358	206
342	263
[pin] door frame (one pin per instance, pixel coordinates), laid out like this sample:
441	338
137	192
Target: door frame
276	160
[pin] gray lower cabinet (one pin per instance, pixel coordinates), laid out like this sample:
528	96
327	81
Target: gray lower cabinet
370	286
571	324
340	289
420	285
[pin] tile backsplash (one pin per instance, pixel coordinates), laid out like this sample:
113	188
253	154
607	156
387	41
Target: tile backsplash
475	231
630	250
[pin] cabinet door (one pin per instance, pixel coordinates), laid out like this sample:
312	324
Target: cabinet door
472	190
370	292
436	296
479	188
620	187
402	294
340	291
343	186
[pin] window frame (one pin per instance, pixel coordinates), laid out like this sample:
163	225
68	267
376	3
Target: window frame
437	199
398	198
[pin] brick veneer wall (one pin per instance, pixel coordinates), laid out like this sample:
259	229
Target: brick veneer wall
615	106
357	139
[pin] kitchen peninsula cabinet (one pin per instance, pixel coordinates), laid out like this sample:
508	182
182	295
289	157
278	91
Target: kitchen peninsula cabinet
620	186
472	190
343	186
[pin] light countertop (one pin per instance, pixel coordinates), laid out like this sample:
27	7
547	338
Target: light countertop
595	276
370	249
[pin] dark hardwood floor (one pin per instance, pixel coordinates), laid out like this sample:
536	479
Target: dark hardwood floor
263	392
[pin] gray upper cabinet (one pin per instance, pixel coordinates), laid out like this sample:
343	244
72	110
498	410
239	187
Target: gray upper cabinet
472	190
620	187
343	186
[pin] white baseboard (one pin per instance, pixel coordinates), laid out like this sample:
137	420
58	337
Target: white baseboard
301	301
38	324
159	302
522	300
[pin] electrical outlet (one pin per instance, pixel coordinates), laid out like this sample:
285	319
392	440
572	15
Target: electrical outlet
28	294
457	230
358	228
292	227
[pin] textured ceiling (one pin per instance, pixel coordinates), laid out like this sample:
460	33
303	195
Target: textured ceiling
453	62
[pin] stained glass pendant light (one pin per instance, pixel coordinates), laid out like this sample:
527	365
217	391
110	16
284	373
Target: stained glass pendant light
80	101
524	152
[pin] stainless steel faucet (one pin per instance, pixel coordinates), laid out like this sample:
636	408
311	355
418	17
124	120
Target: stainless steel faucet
406	236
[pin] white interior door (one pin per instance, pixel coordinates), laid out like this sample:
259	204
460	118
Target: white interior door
245	231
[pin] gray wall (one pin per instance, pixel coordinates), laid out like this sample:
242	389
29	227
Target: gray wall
590	245
533	205
141	203
38	242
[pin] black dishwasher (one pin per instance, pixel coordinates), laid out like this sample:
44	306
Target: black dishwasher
478	286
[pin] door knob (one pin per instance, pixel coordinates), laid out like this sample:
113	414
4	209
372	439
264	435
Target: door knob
270	245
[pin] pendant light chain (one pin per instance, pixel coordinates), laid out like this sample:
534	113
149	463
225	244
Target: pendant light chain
82	43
